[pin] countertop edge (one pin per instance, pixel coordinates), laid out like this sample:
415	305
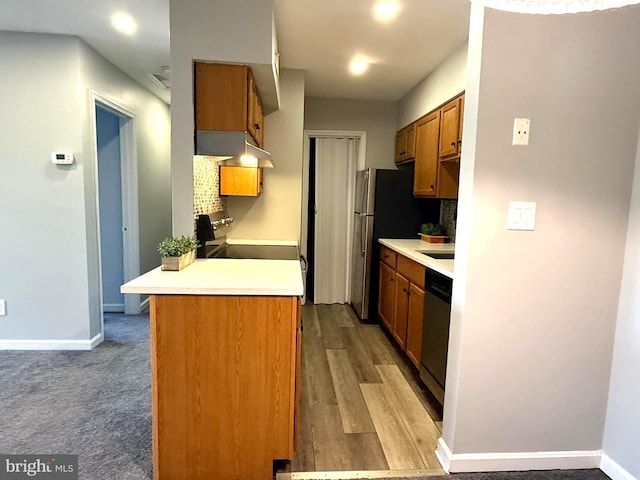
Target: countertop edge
445	267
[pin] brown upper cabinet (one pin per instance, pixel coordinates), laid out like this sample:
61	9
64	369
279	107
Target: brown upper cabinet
406	143
438	142
451	129
240	181
226	98
426	168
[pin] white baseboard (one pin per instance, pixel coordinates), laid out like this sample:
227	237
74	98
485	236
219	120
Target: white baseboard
613	469
516	461
113	307
51	344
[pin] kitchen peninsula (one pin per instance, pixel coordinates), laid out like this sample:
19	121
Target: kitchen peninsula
225	360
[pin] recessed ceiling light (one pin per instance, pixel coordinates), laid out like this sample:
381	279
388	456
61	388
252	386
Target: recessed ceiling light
386	10
358	67
124	23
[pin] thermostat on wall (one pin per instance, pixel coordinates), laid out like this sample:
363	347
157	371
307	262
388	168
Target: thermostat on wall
62	158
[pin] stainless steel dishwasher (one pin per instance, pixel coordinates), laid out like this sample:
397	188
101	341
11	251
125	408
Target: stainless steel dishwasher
435	332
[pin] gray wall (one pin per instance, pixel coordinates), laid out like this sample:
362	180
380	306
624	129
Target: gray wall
276	213
445	82
48	247
233	31
534	313
377	118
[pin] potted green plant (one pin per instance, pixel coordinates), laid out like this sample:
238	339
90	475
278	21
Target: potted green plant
433	233
177	252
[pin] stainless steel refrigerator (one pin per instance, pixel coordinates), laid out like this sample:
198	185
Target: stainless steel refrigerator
384	208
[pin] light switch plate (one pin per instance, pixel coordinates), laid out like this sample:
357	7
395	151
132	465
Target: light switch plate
3	307
521	216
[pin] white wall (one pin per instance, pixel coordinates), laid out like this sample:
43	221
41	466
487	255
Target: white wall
234	31
622	428
276	213
375	117
534	313
48	212
445	82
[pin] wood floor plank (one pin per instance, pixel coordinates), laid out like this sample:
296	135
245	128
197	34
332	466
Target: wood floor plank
396	442
316	367
411	374
304	457
353	410
310	323
329	441
332	335
360	357
366	452
373	340
421	428
341	314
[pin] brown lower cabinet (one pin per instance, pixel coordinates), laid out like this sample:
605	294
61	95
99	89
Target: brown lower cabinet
225	376
401	301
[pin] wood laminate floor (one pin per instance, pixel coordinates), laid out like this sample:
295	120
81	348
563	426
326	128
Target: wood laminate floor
362	405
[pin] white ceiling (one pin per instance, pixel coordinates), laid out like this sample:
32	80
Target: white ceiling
318	36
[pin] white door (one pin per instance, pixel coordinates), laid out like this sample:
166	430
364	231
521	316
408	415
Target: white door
335	176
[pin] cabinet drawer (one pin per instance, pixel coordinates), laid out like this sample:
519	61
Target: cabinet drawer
410	269
388	256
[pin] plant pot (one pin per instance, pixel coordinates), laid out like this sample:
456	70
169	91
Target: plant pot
434	238
175	264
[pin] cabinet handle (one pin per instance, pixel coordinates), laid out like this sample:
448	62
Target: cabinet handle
391	279
453	144
256	126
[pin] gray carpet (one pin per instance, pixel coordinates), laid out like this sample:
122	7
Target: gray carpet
97	405
94	404
546	475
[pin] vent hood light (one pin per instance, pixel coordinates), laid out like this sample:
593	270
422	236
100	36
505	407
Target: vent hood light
230	148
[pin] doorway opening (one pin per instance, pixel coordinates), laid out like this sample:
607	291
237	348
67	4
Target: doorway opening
117	204
331	159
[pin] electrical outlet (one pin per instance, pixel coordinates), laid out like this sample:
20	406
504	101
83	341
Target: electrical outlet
521	127
3	307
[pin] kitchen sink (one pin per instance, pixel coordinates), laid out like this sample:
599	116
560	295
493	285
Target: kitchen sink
439	255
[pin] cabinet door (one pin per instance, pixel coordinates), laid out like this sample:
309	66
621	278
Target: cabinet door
426	169
255	122
410	141
414	324
386	298
242	181
401	310
400	150
221	97
450	129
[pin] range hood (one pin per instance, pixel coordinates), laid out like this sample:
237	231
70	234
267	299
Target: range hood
231	148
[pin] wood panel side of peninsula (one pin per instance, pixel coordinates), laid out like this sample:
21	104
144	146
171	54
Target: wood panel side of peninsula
224	380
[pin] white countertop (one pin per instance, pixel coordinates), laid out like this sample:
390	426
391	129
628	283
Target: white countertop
223	276
414	248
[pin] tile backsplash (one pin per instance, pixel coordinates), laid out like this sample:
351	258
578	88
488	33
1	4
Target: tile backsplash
449	216
206	186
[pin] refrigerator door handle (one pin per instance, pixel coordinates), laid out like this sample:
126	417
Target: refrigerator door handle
365	187
363	246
